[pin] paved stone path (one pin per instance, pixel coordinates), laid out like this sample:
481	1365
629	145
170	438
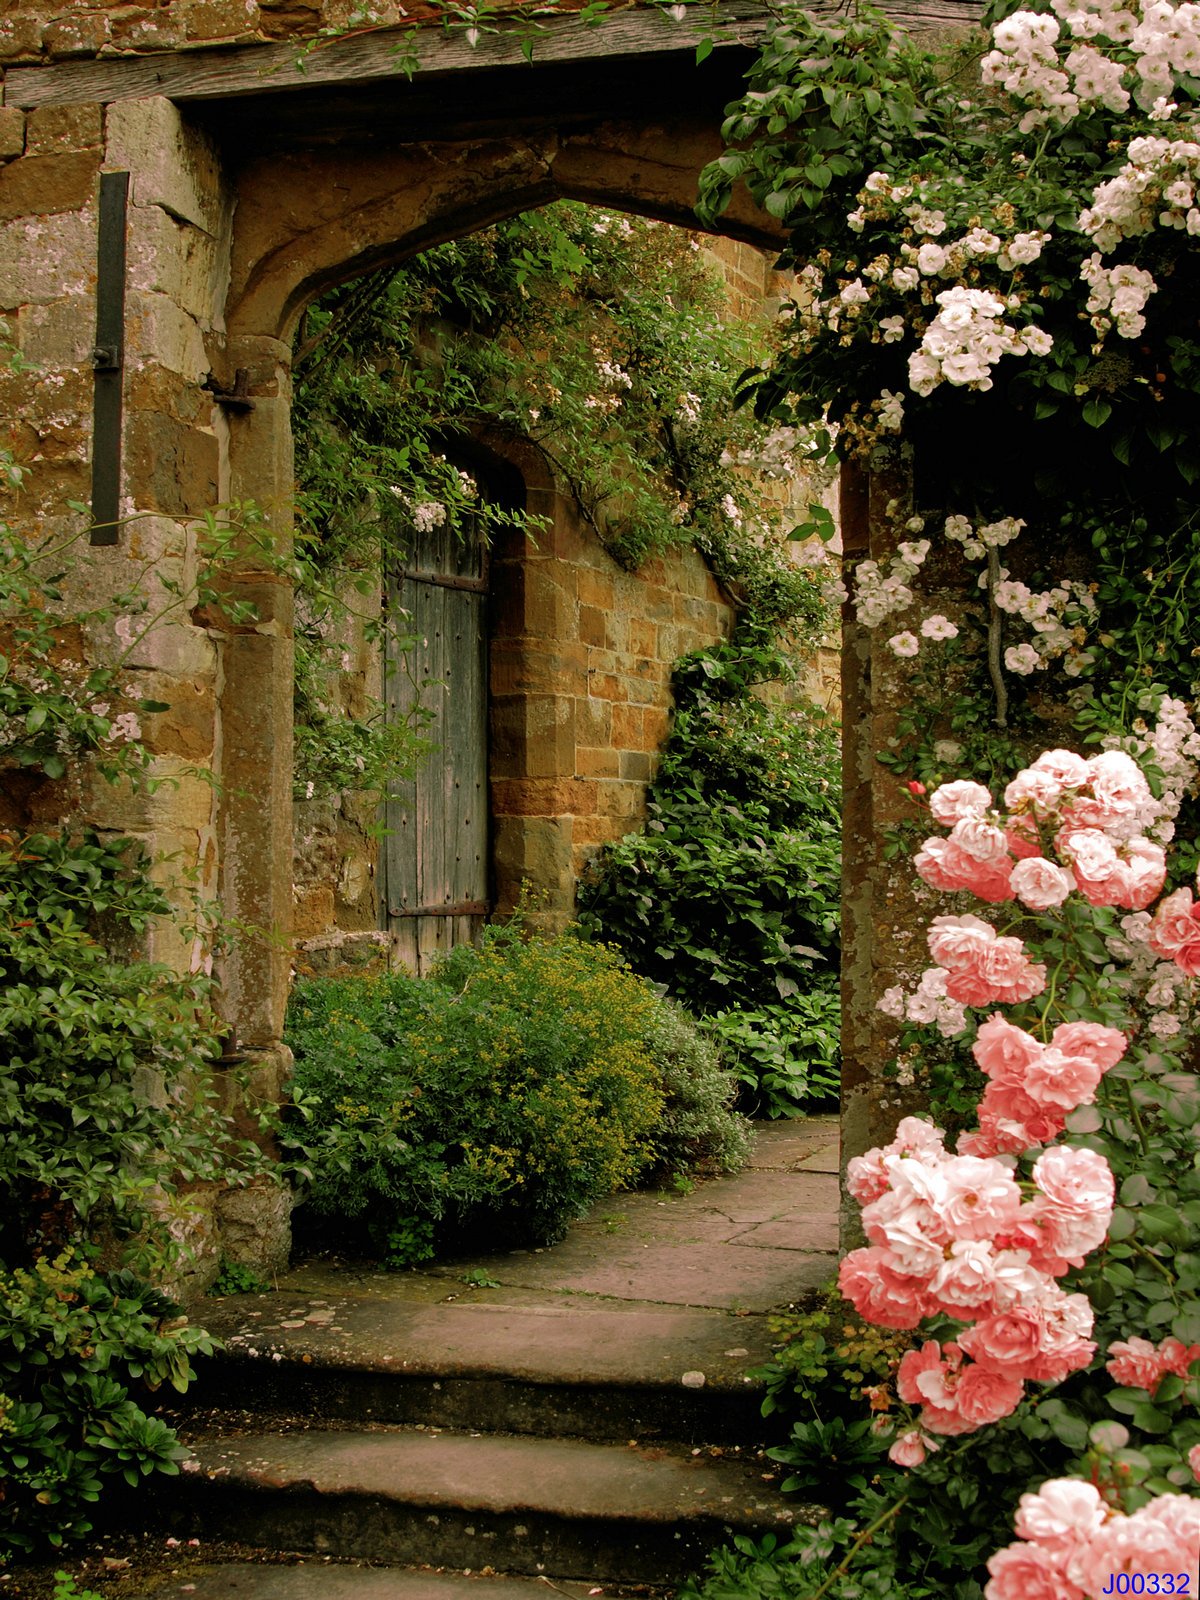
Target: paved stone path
582	1410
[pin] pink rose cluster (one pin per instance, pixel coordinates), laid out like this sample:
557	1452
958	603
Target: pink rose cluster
1138	1364
953	1235
983	967
1175	931
1074	1546
1090	810
1033	1086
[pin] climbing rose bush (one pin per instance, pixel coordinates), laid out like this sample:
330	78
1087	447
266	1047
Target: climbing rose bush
988	1244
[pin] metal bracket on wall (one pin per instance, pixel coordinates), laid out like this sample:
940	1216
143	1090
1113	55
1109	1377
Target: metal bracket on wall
108	358
235	399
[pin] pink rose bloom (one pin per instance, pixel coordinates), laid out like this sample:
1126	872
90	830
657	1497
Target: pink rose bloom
908	1230
866	1177
983	1396
1039	884
980	1197
1023	838
1161	1537
1177	1357
1194	1461
943	864
1067	769
953	939
1062	1516
1000	973
1106	1046
1134	1363
950	802
1027	1572
1004	1052
1075	1178
1009	1342
1175	931
921	1375
1062	1082
880	1294
1098	869
1145	873
980	840
1118	791
1066	1322
1031	1239
911	1448
964	1286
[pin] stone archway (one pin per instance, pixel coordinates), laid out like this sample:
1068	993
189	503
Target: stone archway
254	183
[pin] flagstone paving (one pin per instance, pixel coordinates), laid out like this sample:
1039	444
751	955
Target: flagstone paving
579	1417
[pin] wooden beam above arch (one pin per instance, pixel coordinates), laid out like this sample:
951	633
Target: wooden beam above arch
379	57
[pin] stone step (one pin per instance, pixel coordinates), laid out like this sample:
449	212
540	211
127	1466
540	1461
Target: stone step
309	1580
536	1366
606	1513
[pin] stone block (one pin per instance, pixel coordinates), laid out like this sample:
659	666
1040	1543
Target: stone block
144	28
312	911
20	40
627	728
643	637
534	849
85	33
606	686
598	763
166	255
188	728
169	466
58	335
593	722
173	165
159	333
231	21
543	797
43	259
43	186
636	766
12	133
51	130
592	629
255	1224
595	589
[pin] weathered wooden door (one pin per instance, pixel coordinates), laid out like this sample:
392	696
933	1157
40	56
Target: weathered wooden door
436	852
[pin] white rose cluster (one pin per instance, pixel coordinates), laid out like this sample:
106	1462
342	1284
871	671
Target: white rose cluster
965	340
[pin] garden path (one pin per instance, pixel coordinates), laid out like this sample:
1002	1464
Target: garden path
581	1411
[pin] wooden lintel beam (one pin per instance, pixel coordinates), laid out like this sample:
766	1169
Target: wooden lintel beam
269	69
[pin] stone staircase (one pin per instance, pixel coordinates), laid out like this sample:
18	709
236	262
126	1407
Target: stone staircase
374	1428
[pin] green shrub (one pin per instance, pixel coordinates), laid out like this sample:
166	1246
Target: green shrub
106	1099
698	1131
505	1094
76	1347
788	1054
501	1097
730	897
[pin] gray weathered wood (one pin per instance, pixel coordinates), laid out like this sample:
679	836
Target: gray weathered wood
436	854
273	69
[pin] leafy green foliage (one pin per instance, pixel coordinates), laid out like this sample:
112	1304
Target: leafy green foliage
80	1353
502	1096
698	1132
731	895
106	1099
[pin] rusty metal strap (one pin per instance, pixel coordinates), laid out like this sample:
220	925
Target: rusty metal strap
108	358
464	908
444	580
